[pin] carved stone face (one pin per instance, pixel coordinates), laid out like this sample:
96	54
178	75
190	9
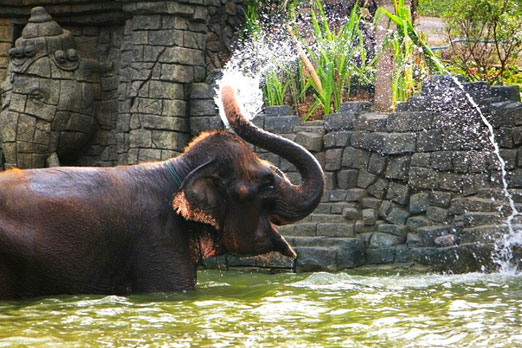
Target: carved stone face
48	100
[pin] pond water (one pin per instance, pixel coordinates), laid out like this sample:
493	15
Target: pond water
241	309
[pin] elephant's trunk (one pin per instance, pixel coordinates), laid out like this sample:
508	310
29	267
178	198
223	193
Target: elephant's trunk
294	202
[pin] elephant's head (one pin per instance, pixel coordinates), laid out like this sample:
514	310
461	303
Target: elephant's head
242	196
48	99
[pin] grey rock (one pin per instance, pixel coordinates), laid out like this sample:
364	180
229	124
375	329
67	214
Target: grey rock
445	241
509	93
385	208
281	124
385	240
393	143
312	142
355	158
351	253
355	107
378	189
365	178
337	195
398	193
335	230
437	214
440	199
279	110
421	159
376	163
338	122
355	194
442	160
398	168
430	140
423	178
369	217
419	202
409	121
361	227
333	159
350	213
380	256
310	259
396	230
397	216
300	229
428	234
373	203
360	139
371	122
337	208
347	178
451	182
337	139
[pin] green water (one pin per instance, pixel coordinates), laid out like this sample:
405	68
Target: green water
239	309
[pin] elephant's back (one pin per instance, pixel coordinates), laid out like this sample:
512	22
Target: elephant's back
46	185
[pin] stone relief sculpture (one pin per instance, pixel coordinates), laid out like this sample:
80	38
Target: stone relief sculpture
49	97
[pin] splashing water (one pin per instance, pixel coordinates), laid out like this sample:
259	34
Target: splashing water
245	70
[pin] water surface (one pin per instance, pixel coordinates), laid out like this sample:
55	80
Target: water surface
239	309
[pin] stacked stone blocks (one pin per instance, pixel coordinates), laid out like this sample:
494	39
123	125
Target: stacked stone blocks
404	187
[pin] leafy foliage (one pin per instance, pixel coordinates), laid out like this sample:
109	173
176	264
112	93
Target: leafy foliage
413	60
337	56
490	33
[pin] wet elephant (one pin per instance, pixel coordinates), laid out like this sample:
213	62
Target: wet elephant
147	227
49	97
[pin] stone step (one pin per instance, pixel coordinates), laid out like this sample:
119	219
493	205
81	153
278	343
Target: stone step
310	259
336	254
299	229
333	208
320	241
472	219
461	205
317	129
482	234
498	194
330	218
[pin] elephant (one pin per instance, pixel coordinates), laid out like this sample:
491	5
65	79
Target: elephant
147	227
49	97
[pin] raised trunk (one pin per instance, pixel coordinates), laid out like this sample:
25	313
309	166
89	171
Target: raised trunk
295	202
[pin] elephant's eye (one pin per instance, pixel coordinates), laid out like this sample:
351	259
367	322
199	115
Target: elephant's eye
267	186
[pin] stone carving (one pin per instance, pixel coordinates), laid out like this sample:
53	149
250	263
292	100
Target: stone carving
49	97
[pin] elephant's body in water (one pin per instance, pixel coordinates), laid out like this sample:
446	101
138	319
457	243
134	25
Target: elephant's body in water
145	228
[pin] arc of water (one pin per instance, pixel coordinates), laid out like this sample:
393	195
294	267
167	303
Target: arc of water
503	249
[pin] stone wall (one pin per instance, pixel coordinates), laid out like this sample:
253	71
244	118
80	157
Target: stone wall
418	186
156	50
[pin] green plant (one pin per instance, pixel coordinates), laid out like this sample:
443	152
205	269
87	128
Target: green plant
432	8
275	87
486	38
335	56
412	58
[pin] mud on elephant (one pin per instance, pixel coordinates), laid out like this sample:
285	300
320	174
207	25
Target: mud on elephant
49	97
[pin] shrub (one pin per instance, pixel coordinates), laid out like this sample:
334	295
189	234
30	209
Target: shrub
486	39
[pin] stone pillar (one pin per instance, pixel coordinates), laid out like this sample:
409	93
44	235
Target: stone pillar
6	38
383	91
163	54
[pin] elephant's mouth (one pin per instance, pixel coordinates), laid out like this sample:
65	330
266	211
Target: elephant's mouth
280	244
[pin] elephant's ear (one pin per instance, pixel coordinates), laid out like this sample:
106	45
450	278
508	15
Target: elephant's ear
200	197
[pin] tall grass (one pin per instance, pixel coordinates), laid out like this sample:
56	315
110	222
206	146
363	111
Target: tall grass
411	55
336	56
